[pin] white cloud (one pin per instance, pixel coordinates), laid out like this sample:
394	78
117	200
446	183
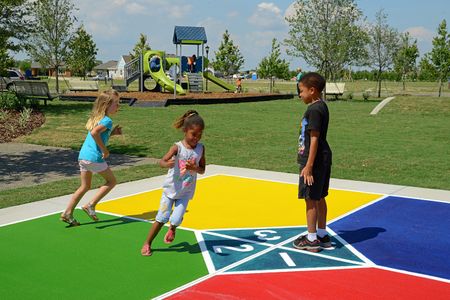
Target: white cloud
102	29
267	15
135	9
420	33
233	14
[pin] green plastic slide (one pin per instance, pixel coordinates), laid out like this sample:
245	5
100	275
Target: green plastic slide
161	78
219	82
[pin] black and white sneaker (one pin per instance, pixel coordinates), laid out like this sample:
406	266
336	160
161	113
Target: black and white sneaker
302	243
325	242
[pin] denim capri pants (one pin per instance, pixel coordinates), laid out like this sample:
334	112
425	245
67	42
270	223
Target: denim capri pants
165	213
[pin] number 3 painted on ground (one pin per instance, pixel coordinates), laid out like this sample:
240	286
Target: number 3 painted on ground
262	235
245	248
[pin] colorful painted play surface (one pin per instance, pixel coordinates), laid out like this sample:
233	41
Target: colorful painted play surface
235	243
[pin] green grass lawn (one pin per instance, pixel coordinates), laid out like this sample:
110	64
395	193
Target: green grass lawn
406	143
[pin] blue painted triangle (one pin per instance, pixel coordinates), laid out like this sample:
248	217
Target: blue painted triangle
264	235
339	251
283	259
224	251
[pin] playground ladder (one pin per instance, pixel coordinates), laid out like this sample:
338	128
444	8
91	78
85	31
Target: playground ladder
195	81
132	70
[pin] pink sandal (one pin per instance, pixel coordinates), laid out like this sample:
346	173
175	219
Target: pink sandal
170	236
146	250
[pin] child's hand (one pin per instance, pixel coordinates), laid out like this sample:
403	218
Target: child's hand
307	175
170	163
117	130
105	153
190	165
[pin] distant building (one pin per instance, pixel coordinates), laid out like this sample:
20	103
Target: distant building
120	72
108	68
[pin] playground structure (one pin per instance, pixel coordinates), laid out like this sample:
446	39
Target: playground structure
155	63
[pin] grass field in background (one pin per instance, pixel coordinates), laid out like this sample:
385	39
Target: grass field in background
357	87
406	143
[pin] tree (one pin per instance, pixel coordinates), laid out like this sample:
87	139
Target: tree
273	66
383	46
440	54
405	59
54	29
326	34
228	58
426	69
82	52
15	27
141	46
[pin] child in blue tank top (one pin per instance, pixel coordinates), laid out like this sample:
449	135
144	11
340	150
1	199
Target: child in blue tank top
184	159
93	153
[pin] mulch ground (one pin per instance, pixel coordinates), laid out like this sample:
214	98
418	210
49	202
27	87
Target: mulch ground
156	96
10	127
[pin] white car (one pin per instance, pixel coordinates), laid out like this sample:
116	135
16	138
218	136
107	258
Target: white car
15	75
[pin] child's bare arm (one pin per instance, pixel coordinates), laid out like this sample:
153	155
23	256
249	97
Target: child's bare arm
200	169
167	161
307	170
97	138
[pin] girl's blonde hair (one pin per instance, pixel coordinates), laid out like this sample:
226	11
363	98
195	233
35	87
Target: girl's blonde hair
101	104
188	119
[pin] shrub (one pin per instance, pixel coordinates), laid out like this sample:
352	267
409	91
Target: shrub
9	100
349	96
366	95
25	116
3	114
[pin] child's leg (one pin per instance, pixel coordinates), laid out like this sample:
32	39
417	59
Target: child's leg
322	214
154	230
165	208
176	218
86	178
104	189
311	216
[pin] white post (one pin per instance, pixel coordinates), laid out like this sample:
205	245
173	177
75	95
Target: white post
175	75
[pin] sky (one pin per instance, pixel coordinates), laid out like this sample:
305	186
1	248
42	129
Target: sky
116	24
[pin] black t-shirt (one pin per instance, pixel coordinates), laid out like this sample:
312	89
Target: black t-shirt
316	117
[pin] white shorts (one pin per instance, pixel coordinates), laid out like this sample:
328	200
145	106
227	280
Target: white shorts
94	167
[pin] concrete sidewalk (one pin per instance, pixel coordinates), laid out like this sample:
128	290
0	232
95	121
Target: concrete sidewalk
26	164
27	211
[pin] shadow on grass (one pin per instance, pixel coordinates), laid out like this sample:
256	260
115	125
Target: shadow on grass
37	166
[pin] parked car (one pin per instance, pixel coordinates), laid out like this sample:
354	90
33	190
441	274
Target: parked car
15	74
5	83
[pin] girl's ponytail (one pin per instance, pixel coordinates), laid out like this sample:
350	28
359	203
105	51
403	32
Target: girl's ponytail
189	118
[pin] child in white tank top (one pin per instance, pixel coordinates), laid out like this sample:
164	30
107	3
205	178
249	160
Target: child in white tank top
184	159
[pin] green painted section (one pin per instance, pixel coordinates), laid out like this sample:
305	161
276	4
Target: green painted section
191	42
44	259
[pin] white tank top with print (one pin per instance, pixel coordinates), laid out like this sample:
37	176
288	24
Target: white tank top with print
180	183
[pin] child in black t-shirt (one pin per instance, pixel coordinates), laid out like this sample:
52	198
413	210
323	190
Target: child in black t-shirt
314	158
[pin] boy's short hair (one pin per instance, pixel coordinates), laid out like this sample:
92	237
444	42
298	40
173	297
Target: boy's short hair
314	80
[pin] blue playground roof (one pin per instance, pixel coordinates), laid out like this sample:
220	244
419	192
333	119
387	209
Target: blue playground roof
189	35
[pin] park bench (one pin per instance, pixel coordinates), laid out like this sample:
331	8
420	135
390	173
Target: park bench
83	86
335	89
37	90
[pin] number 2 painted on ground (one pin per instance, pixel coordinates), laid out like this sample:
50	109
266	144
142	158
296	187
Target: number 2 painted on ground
241	248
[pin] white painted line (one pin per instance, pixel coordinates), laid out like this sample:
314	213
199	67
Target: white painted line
351	248
205	253
413	273
29	219
357	209
293	270
287	259
381	105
